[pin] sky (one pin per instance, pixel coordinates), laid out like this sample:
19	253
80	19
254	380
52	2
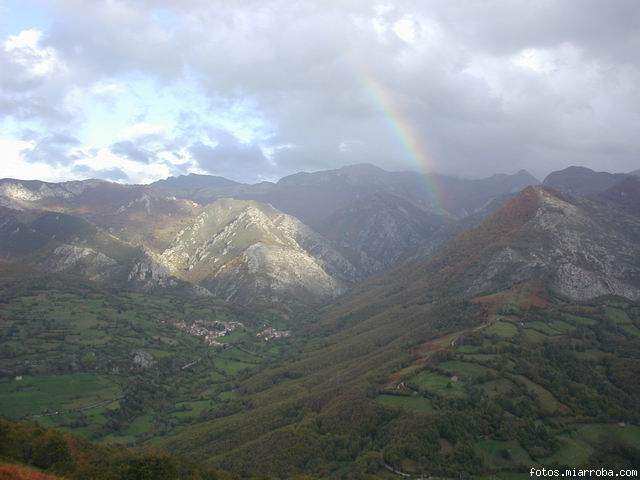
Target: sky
134	91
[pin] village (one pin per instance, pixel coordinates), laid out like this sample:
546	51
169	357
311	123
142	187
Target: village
211	331
270	333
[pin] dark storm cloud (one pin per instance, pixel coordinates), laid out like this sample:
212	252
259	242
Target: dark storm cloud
486	85
231	158
602	28
132	151
53	149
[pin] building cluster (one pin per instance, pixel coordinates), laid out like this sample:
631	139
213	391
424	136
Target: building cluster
212	332
270	333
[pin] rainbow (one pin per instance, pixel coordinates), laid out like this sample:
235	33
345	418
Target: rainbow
412	142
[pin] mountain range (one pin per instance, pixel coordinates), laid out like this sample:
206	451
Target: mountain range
313	197
353	323
307	237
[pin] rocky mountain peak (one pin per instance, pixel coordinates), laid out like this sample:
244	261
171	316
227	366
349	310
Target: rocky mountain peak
582	248
241	249
18	193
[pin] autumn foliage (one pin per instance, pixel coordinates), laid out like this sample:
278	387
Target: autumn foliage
18	472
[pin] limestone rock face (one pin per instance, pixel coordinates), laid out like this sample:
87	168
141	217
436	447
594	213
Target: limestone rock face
583	249
245	251
150	273
17	192
82	260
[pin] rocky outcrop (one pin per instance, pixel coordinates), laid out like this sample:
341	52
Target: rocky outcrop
583	249
249	252
149	273
274	274
142	359
83	261
19	192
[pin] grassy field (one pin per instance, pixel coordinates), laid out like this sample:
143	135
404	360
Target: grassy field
436	383
576	447
497	454
414	403
140	425
571	452
479	357
562	326
231	367
502	329
578	320
497	388
238	355
629	434
468	348
465	370
548	403
40	395
514	402
510	363
192	409
533	336
543	328
617	315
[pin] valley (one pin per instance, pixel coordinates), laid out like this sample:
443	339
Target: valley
123	367
383	335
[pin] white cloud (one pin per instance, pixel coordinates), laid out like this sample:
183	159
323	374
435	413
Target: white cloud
142	129
405	28
25	50
539	61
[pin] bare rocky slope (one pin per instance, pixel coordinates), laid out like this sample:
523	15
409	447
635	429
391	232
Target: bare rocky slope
580	248
584	248
133	236
245	251
57	243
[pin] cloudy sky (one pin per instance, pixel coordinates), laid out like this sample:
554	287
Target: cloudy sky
138	90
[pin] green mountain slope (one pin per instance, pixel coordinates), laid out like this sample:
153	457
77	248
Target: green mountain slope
461	364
